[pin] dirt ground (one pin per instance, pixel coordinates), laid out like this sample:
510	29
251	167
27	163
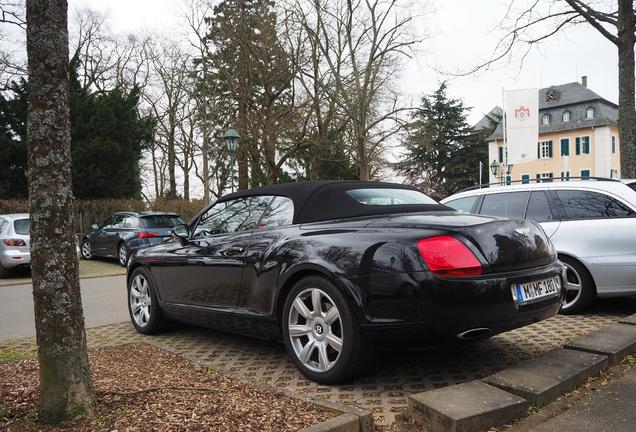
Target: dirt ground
141	387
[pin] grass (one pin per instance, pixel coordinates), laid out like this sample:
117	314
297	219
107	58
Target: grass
8	354
88	269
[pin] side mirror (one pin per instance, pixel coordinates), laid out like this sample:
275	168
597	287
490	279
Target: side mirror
181	231
95	227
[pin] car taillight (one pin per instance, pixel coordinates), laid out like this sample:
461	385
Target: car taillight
147	234
447	256
14	242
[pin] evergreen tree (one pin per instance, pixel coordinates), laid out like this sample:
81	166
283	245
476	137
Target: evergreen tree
442	151
13	144
107	136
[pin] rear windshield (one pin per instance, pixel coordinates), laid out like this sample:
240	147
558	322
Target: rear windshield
21	226
161	221
389	196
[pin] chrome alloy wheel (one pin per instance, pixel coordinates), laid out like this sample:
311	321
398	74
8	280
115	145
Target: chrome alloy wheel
315	330
573	285
123	255
140	300
86	250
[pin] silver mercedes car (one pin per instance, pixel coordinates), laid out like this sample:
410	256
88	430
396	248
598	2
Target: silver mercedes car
15	243
592	223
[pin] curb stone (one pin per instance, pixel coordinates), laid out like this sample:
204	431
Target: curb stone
545	378
629	320
615	341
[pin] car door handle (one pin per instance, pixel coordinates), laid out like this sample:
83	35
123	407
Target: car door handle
235	250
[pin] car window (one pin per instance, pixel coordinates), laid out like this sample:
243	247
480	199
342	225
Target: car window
463	205
279	213
509	204
129	222
232	216
389	196
3	225
539	207
591	205
161	221
22	226
116	222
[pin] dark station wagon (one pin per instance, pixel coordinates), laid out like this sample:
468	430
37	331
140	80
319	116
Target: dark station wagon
125	232
335	269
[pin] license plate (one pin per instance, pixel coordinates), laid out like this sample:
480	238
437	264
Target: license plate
530	292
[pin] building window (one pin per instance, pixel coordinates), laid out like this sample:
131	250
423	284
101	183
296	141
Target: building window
546	119
613	144
565	147
585	174
525	178
508	180
501	155
586	144
613	173
565	175
545	177
566	116
544	150
589	113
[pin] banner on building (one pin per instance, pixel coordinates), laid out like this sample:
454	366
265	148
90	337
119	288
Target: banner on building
522	124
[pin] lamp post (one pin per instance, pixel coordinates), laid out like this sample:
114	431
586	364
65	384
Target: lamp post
231	139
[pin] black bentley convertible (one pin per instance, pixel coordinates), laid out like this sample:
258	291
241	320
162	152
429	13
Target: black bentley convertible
335	268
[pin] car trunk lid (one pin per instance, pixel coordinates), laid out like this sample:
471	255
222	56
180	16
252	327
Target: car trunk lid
505	244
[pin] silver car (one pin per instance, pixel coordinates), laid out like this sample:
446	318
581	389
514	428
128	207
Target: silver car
592	224
15	243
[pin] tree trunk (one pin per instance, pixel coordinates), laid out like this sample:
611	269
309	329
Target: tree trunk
172	187
186	179
206	162
363	157
65	381
626	103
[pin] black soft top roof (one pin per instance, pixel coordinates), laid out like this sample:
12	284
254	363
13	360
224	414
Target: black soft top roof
316	201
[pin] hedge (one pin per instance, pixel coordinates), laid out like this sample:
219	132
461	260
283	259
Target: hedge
88	212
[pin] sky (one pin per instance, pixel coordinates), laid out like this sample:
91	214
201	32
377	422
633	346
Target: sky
461	34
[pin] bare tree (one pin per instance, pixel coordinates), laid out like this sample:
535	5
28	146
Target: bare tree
65	380
538	20
362	43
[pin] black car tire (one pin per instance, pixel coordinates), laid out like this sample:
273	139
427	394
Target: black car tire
576	270
156	322
87	254
355	355
4	272
120	254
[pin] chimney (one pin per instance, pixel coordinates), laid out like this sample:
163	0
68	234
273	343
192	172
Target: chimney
584	80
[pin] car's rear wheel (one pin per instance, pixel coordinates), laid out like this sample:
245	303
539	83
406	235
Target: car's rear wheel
87	251
321	333
143	306
579	287
4	272
122	254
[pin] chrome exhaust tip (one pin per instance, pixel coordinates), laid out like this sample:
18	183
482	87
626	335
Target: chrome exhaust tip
476	333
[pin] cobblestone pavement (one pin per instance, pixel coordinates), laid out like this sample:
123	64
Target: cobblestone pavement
397	374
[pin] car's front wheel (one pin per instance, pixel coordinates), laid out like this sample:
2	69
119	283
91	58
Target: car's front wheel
321	333
87	251
143	306
579	287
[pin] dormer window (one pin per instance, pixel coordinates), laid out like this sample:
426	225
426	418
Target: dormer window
546	119
566	116
589	113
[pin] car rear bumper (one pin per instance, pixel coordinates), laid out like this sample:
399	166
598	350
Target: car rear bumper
460	308
12	258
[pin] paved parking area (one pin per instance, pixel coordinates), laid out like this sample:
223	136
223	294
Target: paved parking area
397	374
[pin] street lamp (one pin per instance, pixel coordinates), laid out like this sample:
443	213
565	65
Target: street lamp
231	139
494	167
